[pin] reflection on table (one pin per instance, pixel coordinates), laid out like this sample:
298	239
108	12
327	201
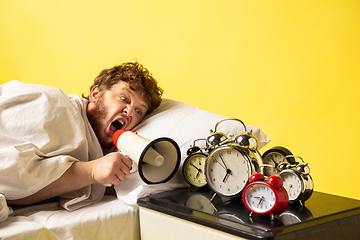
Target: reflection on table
231	215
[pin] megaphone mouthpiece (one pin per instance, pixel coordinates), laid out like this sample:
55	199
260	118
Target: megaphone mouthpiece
153	157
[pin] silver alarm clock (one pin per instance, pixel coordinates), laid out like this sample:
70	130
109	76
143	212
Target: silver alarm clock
297	180
231	161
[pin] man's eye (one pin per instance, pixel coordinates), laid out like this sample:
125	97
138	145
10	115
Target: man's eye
123	99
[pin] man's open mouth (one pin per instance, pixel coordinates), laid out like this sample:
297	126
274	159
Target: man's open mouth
116	125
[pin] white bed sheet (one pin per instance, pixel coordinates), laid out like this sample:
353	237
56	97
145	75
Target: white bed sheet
108	219
21	227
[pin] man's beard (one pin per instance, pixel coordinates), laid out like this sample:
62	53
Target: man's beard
96	117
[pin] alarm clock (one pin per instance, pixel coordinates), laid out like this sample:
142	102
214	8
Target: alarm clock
231	162
274	156
297	180
194	165
265	195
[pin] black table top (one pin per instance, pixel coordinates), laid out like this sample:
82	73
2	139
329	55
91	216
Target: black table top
231	216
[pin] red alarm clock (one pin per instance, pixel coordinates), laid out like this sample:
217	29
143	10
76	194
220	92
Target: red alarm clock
265	196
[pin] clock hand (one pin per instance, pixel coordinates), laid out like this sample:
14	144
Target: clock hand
228	172
220	164
195	167
199	171
223	161
225	177
276	164
290	186
261	200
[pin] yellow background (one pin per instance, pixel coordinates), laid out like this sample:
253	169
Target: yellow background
291	68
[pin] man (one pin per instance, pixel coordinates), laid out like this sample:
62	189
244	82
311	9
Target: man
58	145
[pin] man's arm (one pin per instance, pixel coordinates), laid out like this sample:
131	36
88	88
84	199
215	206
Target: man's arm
111	168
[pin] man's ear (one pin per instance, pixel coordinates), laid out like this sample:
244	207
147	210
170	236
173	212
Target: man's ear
94	94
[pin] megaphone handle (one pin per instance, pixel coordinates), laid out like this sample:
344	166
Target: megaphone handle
123	153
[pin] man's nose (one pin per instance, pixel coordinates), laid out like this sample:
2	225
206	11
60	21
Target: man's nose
128	110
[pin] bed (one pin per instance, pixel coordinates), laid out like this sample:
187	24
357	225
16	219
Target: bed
117	217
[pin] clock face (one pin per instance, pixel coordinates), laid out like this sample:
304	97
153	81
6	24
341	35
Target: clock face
274	157
260	198
193	169
292	183
227	171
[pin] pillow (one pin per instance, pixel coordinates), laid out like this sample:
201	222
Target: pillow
183	123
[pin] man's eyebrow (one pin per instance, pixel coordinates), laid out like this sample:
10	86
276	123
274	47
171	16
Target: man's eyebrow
145	106
132	92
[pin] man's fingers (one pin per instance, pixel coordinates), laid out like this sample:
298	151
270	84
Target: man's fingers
128	162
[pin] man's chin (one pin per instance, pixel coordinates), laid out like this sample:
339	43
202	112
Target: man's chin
107	144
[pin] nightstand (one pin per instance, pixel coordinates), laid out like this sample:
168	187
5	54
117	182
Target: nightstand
189	214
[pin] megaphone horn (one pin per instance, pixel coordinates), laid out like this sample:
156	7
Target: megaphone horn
157	160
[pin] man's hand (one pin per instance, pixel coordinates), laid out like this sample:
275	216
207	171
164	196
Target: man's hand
112	168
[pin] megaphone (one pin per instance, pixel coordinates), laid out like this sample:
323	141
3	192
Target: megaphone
157	160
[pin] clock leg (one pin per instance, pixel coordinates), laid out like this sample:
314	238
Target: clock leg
212	198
